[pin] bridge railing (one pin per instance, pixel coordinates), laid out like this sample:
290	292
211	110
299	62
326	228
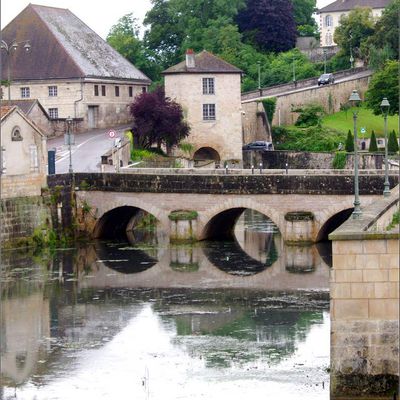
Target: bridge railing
303	83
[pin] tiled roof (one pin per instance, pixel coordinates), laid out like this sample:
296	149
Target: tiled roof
346	5
62	46
205	62
4	110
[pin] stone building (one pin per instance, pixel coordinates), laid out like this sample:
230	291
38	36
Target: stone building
69	68
329	16
23	155
208	90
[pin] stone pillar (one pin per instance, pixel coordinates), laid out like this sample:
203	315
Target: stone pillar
183	225
364	314
299	227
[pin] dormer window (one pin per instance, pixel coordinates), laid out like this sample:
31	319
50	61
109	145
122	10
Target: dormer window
16	134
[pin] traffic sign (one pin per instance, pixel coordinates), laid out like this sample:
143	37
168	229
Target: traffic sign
111	134
363	130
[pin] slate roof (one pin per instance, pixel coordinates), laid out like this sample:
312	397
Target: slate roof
4	110
205	62
27	105
62	46
346	5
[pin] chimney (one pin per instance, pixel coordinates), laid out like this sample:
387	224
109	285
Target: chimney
190	59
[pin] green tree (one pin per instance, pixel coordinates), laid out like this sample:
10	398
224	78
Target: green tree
310	115
393	144
384	83
353	30
124	37
349	145
373	146
303	11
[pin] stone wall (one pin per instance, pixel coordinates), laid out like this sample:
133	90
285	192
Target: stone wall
20	216
22	185
365	304
255	123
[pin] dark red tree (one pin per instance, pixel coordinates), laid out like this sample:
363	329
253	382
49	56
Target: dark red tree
157	120
268	24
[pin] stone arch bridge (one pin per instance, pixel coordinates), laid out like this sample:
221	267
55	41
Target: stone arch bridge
304	207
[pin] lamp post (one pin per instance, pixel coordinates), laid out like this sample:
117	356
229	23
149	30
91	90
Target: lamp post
69	138
385	105
324	61
294	71
354	99
10	48
259	76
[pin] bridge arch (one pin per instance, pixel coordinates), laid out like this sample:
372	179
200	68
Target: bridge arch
332	223
206	153
219	222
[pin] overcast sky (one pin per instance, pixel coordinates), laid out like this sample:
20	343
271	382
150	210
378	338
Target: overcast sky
98	15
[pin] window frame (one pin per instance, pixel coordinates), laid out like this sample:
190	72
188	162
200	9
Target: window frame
116	91
25	92
208	85
130	91
53	91
96	90
103	90
328	21
53	111
209	112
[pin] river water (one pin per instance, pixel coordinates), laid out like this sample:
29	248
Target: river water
152	320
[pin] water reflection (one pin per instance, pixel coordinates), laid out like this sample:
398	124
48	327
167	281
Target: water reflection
89	322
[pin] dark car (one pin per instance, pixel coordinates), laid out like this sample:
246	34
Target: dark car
326	79
259	145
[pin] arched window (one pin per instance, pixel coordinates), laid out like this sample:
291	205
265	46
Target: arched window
328	21
16	134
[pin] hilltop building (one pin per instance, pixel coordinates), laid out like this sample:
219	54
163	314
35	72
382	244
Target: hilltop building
329	16
69	68
208	89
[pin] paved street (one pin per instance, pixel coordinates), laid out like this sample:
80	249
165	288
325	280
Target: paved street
87	151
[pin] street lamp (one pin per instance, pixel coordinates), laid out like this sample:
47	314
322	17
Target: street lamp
385	105
354	100
10	48
294	71
69	140
259	76
324	61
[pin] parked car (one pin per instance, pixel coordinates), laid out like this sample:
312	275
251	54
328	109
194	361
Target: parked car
259	145
326	79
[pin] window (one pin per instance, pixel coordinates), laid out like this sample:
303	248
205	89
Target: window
103	90
3	160
208	86
16	134
53	113
116	91
208	112
53	91
34	158
25	92
130	90
144	89
328	20
96	90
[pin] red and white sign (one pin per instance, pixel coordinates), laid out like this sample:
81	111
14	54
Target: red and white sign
111	134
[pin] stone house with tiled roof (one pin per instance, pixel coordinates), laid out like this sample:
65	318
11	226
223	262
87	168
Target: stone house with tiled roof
329	16
23	155
70	69
208	89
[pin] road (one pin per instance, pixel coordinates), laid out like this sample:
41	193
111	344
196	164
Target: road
87	151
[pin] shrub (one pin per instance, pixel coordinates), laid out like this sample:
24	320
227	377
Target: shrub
393	144
349	146
310	115
269	107
373	147
141	154
339	161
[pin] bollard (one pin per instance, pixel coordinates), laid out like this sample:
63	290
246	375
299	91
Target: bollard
252	169
286	165
261	168
226	169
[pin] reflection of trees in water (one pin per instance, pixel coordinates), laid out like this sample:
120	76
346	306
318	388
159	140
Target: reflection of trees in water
243	336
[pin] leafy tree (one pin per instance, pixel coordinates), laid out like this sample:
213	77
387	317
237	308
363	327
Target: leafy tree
157	120
349	145
124	37
268	24
384	83
373	146
387	30
310	115
269	107
393	144
303	12
353	29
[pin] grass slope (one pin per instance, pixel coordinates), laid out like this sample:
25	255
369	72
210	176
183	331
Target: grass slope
343	121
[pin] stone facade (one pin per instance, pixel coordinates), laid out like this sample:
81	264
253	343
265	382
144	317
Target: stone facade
23	155
221	133
365	303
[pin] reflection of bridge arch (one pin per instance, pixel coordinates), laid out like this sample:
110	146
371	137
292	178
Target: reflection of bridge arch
219	221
